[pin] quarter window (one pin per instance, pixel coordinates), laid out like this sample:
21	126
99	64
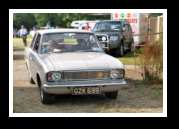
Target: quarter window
37	43
33	41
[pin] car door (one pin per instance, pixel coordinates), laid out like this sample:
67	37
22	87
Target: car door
33	56
28	52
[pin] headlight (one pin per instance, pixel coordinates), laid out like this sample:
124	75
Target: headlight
54	76
113	38
104	38
117	74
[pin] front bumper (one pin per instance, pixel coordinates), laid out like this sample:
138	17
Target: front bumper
65	87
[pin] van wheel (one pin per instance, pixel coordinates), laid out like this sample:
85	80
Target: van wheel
120	50
112	95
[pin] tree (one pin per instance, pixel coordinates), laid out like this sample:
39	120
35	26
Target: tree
26	19
43	19
55	19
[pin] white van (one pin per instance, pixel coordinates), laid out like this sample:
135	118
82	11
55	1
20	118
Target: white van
76	24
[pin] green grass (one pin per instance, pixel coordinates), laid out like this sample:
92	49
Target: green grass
18	44
130	59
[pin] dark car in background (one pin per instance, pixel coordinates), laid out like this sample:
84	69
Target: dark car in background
114	36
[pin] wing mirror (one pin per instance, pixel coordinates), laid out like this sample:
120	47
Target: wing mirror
123	29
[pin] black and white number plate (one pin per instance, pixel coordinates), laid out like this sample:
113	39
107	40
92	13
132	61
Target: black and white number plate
86	90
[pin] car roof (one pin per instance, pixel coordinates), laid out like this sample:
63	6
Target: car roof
61	30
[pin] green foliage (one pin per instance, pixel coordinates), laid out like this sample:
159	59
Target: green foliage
152	61
26	19
61	19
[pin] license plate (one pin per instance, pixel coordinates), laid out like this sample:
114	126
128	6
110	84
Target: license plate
86	90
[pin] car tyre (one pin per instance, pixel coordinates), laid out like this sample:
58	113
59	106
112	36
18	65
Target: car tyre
112	95
120	50
45	97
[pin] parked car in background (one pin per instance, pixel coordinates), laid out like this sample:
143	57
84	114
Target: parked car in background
83	25
77	24
89	25
70	61
114	36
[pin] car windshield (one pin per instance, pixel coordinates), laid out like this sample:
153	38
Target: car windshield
109	26
69	42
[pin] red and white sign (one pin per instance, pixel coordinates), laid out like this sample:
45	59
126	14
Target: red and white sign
132	18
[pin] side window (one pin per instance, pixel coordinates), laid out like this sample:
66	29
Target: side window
99	26
33	41
103	26
37	43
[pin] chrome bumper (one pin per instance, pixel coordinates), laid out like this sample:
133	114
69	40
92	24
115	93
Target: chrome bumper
65	88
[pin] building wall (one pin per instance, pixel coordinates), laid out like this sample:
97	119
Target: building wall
156	28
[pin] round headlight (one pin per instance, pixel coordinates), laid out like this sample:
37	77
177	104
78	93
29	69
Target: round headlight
56	76
115	74
103	38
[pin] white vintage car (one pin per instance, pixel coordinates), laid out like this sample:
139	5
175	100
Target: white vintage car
70	61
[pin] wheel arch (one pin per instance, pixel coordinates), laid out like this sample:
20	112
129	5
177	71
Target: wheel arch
38	79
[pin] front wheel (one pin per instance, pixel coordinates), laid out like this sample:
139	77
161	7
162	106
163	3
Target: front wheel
112	95
45	97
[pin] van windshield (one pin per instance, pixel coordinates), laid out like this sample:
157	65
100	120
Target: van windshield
108	26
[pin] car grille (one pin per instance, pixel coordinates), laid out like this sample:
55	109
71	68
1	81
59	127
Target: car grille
83	75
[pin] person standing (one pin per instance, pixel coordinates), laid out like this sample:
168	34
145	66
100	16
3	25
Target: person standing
23	35
87	27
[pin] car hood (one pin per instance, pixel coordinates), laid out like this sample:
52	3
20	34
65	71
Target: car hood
81	60
108	33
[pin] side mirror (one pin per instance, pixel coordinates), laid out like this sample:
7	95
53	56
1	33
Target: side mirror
123	29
